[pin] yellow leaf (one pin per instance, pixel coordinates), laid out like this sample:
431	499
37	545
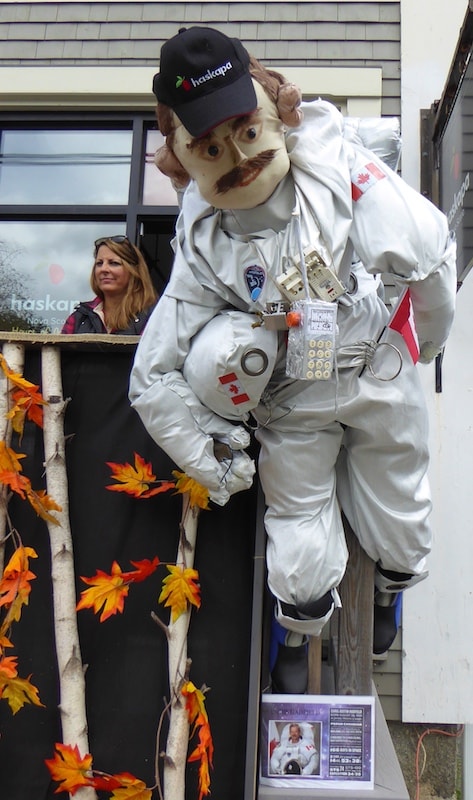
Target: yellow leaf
179	589
108	591
195	702
198	494
42	504
16	378
16	691
136	790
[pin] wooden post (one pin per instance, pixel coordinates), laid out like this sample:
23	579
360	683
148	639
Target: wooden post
352	632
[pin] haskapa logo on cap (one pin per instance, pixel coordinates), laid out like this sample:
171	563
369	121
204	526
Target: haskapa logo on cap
255	277
189	83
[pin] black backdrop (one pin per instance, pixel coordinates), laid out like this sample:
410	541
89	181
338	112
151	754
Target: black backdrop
126	656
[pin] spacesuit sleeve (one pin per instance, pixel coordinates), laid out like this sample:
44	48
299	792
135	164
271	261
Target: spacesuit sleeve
275	763
313	763
170	411
399	232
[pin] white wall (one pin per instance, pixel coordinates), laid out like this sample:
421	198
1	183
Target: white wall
429	33
438	614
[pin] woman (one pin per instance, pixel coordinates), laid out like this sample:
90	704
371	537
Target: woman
125	295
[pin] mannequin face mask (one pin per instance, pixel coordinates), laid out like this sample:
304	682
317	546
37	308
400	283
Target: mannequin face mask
239	163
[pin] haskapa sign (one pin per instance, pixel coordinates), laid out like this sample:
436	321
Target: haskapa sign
455	149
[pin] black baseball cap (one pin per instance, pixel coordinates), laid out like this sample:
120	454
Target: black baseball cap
204	77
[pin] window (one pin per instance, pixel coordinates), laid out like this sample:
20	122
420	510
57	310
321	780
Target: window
63	184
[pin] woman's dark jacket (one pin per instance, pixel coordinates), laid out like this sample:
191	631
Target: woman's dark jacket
85	320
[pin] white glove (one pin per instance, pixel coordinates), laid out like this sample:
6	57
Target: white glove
428	352
235	470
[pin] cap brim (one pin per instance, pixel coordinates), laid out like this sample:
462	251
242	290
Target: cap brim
201	115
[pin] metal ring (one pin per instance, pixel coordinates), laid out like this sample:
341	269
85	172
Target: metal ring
352	283
393	347
255	351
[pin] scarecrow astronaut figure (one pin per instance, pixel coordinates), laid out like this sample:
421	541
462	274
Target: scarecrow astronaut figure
267	180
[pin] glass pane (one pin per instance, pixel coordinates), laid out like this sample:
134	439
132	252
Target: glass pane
157	188
45	269
46	167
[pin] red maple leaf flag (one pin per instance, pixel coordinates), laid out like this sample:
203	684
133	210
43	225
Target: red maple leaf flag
364	178
402	321
233	388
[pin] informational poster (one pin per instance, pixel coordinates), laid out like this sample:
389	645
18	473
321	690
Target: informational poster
309	740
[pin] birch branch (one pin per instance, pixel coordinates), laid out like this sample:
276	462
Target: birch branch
14	355
178	735
71	674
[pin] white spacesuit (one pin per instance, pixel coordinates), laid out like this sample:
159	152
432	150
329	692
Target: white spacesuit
296	756
367	422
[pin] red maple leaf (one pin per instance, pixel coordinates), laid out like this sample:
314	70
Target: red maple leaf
363	177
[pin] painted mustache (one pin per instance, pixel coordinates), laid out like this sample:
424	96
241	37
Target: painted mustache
244	173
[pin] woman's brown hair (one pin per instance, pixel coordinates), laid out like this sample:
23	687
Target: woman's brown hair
140	292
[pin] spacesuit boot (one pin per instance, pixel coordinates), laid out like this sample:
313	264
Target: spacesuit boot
387	615
389	586
288	661
290	672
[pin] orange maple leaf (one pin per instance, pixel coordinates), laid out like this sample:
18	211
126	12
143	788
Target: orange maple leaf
69	769
8	667
197	716
9	460
26	397
15	583
198	494
4	642
180	589
26	405
136	480
10	469
109	591
203	753
18	483
107	783
42	504
144	569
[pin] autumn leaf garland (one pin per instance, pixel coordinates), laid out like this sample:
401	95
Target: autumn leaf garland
106	596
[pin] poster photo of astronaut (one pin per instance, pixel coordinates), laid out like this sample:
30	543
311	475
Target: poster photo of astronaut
307	739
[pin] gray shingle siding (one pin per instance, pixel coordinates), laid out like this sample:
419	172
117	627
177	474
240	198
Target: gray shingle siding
287	34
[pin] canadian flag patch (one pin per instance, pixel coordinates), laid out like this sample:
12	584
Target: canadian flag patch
364	178
234	389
